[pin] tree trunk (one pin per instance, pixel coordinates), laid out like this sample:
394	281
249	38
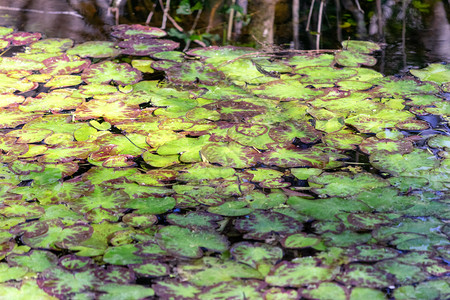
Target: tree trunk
261	27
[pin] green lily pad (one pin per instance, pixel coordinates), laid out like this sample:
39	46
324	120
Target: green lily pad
184	242
440	141
289	156
195	220
286	90
53	101
211	270
255	254
360	46
404	274
372	145
413	234
300	272
11	273
326	290
126	31
326	209
260	225
27	288
230	155
96	49
110	111
434	289
379	121
176	290
122	255
189	148
105	72
61	81
153	269
408	164
60	282
300	240
152	205
365	276
10	85
64	65
439	73
51	45
193	73
289	131
21	38
358	293
233	290
255	135
371	253
354	59
142	47
311	59
343	184
35	260
404	87
343	139
324	75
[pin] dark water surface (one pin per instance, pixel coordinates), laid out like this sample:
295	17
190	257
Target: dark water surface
421	40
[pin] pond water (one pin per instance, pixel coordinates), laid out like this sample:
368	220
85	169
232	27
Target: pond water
241	175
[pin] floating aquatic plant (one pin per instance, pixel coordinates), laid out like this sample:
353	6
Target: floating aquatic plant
234	173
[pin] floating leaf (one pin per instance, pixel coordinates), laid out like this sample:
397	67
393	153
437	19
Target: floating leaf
439	73
233	290
354	59
404	87
125	31
360	46
143	47
372	145
96	49
10	84
58	236
286	90
154	269
343	184
286	157
230	155
364	276
111	112
28	287
326	209
261	225
152	205
410	163
195	220
52	101
184	242
300	240
434	289
300	272
105	72
326	290
61	283
257	253
210	271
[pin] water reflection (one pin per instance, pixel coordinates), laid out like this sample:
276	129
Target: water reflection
437	36
79	20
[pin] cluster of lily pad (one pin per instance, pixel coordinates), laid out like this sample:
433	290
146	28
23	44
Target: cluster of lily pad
240	175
